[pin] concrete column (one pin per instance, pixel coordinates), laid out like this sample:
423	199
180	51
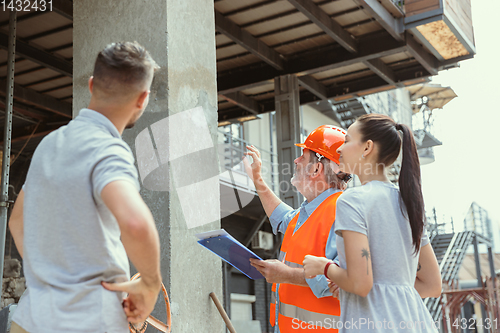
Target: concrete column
287	102
175	141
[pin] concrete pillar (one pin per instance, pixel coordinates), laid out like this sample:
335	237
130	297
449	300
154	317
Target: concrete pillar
180	182
286	89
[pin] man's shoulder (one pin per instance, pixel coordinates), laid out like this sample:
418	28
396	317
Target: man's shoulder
85	140
116	149
96	136
328	199
118	146
80	132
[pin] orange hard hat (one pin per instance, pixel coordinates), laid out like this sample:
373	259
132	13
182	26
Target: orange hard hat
325	140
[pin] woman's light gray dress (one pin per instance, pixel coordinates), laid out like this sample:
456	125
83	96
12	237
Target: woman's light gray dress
393	304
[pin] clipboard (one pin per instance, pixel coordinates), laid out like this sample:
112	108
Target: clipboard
231	251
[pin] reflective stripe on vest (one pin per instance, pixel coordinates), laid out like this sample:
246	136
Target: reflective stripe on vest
293	265
281	257
317	319
273	298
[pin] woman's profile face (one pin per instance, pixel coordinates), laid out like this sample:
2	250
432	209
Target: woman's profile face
351	151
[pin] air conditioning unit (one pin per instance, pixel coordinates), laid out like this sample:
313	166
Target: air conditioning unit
263	241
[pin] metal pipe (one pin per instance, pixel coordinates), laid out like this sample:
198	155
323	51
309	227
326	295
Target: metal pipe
9	102
492	265
227	292
478	274
271	148
223	314
478	263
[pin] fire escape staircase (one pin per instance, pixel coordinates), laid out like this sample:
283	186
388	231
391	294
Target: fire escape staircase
450	250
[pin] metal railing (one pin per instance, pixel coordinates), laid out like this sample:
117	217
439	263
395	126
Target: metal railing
231	152
399	3
449	263
477	220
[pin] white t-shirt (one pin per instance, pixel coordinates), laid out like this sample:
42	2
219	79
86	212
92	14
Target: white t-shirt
393	304
71	239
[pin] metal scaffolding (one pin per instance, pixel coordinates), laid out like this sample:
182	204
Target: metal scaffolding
450	250
477	220
9	101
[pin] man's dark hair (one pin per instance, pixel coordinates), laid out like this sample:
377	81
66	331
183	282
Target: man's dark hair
122	68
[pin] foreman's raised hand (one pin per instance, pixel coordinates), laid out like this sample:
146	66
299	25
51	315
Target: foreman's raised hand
253	170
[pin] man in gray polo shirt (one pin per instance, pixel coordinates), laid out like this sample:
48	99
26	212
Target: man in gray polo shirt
80	213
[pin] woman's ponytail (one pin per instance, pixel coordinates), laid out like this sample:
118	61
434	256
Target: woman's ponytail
410	185
385	132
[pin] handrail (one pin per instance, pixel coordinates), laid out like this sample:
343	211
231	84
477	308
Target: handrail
447	253
468	239
456	260
452	260
450	265
433	303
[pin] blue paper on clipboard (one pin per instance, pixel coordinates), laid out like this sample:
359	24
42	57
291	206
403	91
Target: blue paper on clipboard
231	251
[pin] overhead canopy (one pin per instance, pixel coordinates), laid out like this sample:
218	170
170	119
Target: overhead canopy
437	96
426	139
339	49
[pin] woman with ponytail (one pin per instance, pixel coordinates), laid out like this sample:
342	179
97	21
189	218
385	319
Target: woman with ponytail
386	262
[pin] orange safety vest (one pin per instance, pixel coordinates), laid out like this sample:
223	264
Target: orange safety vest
299	308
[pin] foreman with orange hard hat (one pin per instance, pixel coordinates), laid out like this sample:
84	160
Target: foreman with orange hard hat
325	140
299	303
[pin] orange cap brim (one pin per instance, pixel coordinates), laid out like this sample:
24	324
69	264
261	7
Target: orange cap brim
301	145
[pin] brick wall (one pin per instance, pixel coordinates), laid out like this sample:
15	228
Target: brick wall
14	284
261	305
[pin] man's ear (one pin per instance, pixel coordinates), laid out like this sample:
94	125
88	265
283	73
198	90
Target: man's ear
142	99
91	84
317	169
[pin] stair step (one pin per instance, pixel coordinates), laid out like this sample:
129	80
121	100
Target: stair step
441	242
